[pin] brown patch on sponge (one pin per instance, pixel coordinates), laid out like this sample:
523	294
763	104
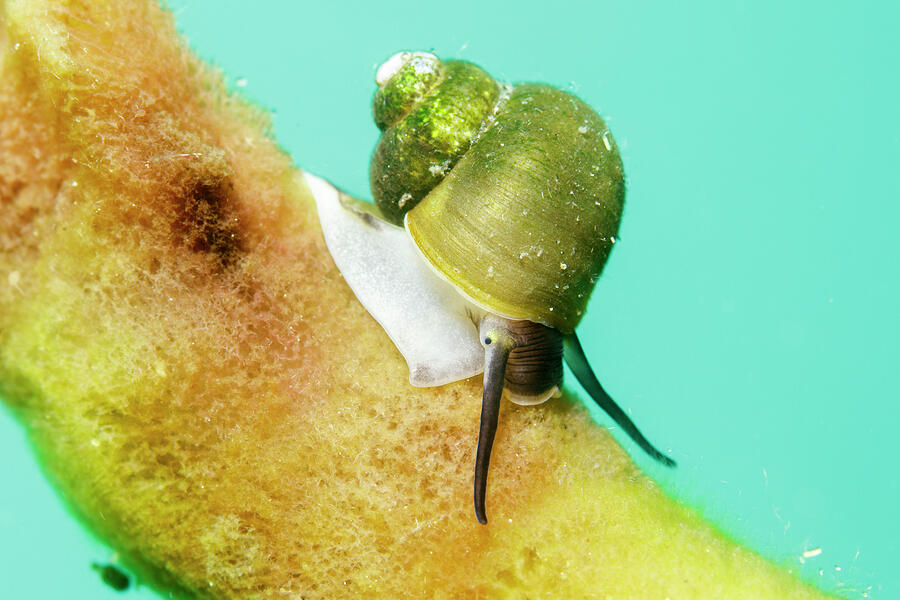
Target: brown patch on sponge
207	224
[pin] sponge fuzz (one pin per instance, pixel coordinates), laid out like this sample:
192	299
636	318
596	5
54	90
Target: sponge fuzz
206	392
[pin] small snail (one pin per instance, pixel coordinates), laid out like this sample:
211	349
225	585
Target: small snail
498	206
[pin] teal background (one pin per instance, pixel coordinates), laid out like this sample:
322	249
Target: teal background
747	320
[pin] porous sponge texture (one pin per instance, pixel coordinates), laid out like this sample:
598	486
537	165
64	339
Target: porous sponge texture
210	398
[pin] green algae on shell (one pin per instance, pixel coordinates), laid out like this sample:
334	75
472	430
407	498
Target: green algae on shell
429	114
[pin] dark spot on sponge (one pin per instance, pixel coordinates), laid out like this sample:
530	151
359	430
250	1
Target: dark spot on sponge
207	223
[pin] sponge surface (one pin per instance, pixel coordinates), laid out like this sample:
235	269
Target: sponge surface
208	395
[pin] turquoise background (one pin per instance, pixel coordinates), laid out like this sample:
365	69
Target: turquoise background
748	320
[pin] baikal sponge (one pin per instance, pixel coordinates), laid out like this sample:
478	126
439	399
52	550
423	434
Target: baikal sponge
210	398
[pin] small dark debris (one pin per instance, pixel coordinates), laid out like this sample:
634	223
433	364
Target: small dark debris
113	576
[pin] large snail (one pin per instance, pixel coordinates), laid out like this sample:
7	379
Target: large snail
510	199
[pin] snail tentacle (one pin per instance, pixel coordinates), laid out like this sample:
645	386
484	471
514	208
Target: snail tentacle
578	362
497	346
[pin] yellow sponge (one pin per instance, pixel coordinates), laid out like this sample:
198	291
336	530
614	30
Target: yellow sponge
207	393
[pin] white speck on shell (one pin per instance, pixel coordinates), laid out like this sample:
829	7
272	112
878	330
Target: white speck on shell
424	62
439	170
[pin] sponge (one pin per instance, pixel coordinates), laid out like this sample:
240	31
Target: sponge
210	398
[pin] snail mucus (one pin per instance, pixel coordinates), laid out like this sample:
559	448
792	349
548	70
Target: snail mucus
497	207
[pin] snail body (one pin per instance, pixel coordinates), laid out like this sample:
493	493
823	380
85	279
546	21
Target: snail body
510	197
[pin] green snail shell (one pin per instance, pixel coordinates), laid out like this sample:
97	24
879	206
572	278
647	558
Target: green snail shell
525	218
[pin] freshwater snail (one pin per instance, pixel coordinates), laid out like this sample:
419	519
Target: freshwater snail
509	199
